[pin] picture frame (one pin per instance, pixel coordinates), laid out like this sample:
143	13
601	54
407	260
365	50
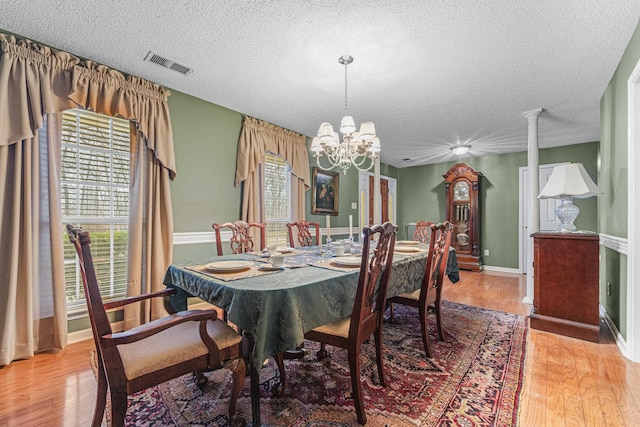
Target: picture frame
324	195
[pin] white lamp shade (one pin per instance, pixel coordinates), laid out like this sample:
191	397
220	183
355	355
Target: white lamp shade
355	137
375	145
569	180
367	130
331	140
325	132
315	144
347	125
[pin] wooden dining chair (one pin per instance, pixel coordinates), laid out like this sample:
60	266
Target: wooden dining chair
299	232
241	239
191	341
422	231
430	293
367	314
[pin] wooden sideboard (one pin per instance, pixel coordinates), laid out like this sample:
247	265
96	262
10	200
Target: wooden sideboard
566	291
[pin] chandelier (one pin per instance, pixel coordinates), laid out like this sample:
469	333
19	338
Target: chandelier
356	148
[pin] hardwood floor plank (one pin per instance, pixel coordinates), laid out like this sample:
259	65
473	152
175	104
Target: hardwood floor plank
535	386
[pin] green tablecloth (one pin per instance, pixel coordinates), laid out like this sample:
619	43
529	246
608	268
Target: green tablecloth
277	309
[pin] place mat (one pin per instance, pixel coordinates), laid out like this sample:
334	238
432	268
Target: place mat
253	271
329	266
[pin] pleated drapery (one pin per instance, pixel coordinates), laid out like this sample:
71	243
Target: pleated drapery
35	82
257	138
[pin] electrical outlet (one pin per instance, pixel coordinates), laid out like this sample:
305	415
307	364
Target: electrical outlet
486	252
354	205
608	288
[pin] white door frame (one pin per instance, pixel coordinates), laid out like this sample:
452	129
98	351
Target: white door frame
633	224
523	235
363	195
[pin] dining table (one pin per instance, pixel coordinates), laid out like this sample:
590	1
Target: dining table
276	306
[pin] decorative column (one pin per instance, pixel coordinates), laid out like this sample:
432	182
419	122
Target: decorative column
533	225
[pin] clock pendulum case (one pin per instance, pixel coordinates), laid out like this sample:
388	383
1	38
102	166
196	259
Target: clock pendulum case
461	186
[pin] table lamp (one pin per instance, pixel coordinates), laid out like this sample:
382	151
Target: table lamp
565	183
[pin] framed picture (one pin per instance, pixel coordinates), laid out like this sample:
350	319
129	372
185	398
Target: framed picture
324	196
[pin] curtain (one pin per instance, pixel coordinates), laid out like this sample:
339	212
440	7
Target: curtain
36	81
256	138
150	231
32	297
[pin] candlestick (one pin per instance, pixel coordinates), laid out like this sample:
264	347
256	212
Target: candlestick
350	225
328	227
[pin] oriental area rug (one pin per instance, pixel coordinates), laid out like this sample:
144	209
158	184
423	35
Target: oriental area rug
473	379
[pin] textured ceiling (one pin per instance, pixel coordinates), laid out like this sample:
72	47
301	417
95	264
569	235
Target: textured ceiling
430	74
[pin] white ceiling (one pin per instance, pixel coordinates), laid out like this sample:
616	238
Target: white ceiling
430	74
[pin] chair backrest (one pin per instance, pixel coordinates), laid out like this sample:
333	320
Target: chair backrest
371	294
100	324
422	232
241	238
436	261
301	228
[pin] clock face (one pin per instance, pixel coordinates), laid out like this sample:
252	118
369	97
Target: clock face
461	191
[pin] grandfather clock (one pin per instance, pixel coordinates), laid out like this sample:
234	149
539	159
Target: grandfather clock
461	186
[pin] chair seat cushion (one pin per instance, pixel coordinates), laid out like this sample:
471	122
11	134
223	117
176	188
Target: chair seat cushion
174	345
338	328
415	295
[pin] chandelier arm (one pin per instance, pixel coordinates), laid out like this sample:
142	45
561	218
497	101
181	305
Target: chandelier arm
373	160
318	157
357	163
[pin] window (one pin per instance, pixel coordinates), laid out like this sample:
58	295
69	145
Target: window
277	199
94	189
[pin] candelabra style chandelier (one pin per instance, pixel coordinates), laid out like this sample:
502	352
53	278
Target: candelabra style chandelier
357	148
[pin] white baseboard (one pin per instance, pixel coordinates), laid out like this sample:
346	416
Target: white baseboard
501	269
620	341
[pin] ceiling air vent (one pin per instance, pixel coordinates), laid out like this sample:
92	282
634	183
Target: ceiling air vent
167	63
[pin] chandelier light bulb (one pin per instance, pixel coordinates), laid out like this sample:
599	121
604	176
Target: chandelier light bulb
459	150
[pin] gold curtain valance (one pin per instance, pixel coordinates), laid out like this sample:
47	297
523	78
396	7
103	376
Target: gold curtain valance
36	80
258	137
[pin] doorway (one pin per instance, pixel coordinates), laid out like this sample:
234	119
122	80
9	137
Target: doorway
548	218
384	199
388	197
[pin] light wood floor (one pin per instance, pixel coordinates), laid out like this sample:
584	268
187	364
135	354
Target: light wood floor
567	382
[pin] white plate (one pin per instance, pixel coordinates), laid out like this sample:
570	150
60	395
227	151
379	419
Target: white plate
407	243
284	249
228	266
348	261
407	249
269	267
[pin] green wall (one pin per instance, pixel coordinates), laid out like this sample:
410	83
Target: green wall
205	143
422	196
614	176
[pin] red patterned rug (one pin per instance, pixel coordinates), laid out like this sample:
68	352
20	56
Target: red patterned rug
474	379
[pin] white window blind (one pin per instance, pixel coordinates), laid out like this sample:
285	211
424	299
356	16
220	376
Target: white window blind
94	189
277	199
